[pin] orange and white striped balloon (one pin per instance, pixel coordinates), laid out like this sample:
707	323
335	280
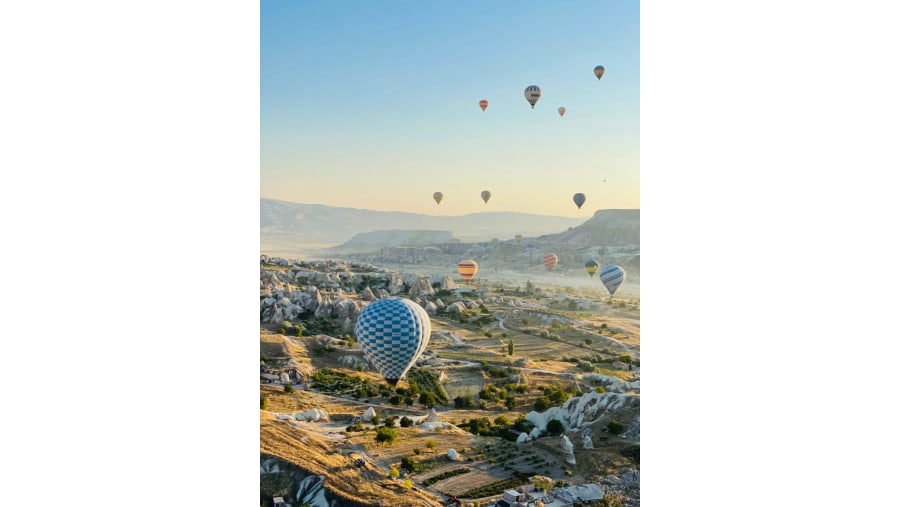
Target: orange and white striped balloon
550	260
467	269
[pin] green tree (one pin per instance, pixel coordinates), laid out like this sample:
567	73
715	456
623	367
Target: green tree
389	422
541	404
288	388
385	435
428	399
406	422
510	403
510	347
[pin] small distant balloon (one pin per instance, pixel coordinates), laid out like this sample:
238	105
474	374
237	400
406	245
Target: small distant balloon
532	94
612	277
561	111
483	104
598	71
550	260
467	269
591	267
485	196
579	199
438	197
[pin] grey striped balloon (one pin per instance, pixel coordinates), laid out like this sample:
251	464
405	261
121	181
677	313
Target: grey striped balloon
612	277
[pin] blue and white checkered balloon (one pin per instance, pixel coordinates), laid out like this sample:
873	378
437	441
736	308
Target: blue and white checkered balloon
393	333
612	277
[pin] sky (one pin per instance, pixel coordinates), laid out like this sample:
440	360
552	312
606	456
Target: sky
374	105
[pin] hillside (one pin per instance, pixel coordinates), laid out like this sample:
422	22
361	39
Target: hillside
369	241
611	227
287	227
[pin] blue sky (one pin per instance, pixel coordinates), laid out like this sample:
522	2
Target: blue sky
375	105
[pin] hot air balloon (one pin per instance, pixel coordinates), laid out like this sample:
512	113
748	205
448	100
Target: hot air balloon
518	238
467	269
561	111
579	199
485	196
438	197
612	277
532	94
598	71
483	104
393	333
591	267
550	260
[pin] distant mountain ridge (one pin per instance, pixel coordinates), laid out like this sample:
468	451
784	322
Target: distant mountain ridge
288	226
613	227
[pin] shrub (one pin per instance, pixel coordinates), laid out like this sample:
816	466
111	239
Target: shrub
541	404
505	334
395	400
501	420
600	389
417	451
510	403
389	422
376	419
431	444
408	464
464	401
427	399
588	341
263	402
385	435
545	333
554	427
615	427
288	388
406	422
556	325
489	334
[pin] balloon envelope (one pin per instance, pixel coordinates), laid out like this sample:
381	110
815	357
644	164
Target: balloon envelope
393	333
485	196
591	267
550	260
483	104
467	269
438	197
518	238
532	94
561	111
612	277
598	71
579	199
